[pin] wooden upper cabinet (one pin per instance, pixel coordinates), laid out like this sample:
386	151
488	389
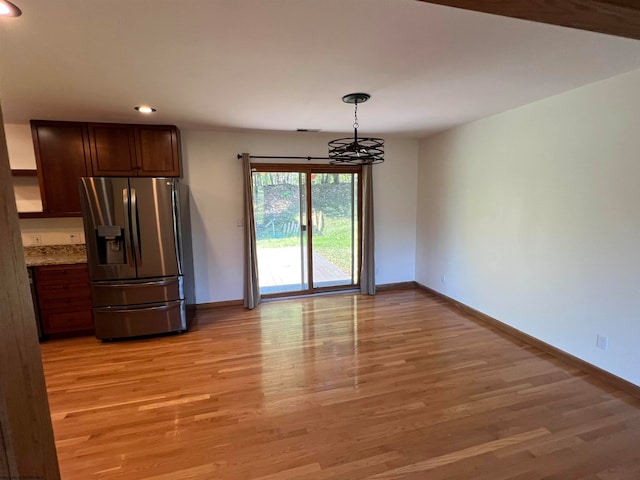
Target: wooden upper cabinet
66	151
134	150
158	149
62	157
113	150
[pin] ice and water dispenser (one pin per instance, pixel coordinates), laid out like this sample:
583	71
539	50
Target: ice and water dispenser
111	245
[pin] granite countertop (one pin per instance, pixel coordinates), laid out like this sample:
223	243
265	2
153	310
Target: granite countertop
55	255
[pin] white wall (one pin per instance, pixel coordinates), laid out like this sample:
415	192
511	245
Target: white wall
533	217
214	175
51	231
22	157
20	146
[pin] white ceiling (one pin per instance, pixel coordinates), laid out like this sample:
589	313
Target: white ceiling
285	64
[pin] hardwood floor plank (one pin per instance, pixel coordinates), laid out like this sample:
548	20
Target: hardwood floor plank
345	386
463	454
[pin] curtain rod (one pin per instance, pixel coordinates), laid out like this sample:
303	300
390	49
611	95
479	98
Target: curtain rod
285	157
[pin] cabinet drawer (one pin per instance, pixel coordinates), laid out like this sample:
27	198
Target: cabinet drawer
58	276
66	321
57	303
65	290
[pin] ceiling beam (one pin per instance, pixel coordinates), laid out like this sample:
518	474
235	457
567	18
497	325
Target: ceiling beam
614	17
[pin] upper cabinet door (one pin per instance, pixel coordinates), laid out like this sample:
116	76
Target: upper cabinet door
158	149
113	150
62	157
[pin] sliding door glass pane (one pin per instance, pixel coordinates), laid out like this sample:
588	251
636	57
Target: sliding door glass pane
280	211
334	229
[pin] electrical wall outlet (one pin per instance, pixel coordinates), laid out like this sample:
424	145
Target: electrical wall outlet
35	239
602	342
75	237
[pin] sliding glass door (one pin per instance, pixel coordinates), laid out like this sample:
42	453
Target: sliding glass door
280	209
307	227
334	220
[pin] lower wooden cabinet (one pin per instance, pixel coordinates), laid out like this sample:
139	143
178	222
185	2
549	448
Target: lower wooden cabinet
64	299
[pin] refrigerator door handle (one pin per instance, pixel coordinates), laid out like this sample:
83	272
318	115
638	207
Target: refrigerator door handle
161	307
135	227
125	203
152	283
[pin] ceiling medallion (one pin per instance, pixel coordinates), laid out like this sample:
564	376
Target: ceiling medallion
356	150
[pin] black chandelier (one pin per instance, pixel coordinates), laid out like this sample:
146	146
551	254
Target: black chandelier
356	150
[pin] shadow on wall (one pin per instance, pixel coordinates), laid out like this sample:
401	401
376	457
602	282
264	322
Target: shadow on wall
441	234
200	256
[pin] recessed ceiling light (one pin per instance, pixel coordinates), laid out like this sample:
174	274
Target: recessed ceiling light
145	109
8	9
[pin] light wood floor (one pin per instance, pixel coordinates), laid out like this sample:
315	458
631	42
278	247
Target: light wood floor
334	387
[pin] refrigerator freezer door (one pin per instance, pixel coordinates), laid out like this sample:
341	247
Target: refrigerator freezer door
106	212
155	226
120	322
133	292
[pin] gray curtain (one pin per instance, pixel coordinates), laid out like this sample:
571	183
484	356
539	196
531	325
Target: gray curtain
251	285
368	267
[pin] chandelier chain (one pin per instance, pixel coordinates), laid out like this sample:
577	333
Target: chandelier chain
355	117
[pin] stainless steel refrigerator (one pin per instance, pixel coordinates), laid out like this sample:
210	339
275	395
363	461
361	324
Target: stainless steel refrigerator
140	271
